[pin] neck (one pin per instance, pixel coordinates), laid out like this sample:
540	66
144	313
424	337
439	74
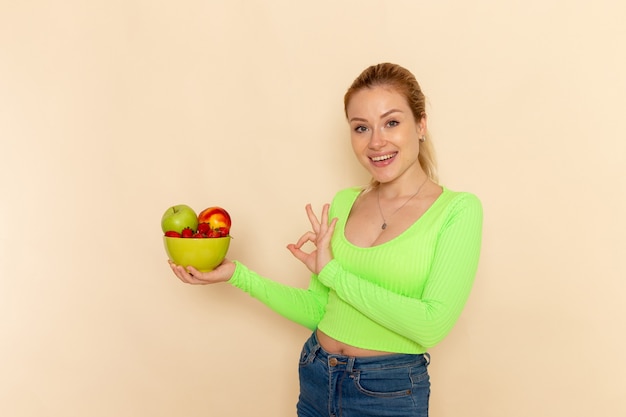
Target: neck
382	215
394	190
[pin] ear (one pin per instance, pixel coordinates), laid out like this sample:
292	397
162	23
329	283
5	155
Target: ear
421	125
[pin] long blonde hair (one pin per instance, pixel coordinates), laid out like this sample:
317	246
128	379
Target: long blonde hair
403	82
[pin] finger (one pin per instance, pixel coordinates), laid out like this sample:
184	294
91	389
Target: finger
325	239
174	268
180	272
196	277
186	276
325	214
331	227
327	234
190	274
333	224
192	271
307	237
315	224
297	253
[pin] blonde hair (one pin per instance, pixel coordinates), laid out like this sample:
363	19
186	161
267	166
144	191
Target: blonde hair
404	83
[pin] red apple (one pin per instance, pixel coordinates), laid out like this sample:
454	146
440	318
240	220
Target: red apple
216	218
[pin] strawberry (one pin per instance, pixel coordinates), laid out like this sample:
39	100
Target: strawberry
199	235
187	232
204	228
213	233
222	231
172	233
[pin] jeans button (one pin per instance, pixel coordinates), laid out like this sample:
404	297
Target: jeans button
332	361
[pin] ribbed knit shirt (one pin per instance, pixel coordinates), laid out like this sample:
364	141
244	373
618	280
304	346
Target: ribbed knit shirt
403	296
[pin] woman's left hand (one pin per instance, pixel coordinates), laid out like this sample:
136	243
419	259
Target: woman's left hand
320	237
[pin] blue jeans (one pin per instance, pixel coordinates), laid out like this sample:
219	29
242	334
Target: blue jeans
345	386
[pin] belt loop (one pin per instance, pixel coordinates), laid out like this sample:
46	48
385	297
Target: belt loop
350	366
316	344
427	357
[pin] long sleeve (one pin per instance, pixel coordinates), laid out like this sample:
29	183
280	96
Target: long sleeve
401	296
428	318
303	306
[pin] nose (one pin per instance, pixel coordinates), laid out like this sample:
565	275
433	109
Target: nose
377	140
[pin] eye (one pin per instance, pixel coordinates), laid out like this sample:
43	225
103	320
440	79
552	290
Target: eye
393	123
360	129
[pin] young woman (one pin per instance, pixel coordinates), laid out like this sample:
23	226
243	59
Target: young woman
392	267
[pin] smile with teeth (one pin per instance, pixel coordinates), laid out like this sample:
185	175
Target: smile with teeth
383	157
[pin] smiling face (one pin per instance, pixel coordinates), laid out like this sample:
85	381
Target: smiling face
385	135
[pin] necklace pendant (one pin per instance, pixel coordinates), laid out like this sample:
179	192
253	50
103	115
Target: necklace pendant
384	226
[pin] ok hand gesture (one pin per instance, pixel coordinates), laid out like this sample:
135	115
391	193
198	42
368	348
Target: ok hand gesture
320	237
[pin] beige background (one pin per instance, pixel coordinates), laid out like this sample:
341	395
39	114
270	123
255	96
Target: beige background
111	111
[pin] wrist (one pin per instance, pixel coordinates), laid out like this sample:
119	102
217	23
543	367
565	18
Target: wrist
235	275
228	270
327	272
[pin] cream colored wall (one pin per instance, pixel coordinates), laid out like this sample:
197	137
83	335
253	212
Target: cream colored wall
110	111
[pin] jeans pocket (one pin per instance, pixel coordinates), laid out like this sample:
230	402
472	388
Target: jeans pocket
392	382
307	356
383	383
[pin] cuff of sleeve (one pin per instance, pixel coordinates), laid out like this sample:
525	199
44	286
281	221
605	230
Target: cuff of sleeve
239	276
329	272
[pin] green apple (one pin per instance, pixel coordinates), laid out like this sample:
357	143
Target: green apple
179	217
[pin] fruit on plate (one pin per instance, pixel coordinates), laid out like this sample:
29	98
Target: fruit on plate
217	218
179	217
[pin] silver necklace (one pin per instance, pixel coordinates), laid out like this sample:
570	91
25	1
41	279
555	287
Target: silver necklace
384	225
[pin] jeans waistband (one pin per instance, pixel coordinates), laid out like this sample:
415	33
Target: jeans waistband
366	362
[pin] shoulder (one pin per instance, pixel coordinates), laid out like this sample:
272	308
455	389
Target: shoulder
456	202
347	195
460	197
344	199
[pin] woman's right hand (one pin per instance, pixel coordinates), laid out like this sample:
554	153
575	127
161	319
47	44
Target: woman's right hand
190	275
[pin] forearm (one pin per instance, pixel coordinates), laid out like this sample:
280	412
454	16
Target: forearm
303	306
425	321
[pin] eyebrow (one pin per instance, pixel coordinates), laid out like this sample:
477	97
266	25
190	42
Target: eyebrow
382	116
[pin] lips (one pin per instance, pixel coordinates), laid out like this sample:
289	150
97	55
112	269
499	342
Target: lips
383	158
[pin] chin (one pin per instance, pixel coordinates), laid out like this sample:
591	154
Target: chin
382	179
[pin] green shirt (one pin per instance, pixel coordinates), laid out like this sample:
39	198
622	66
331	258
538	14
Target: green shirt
404	295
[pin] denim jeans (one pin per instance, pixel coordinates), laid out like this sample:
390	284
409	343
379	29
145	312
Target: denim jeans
344	386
